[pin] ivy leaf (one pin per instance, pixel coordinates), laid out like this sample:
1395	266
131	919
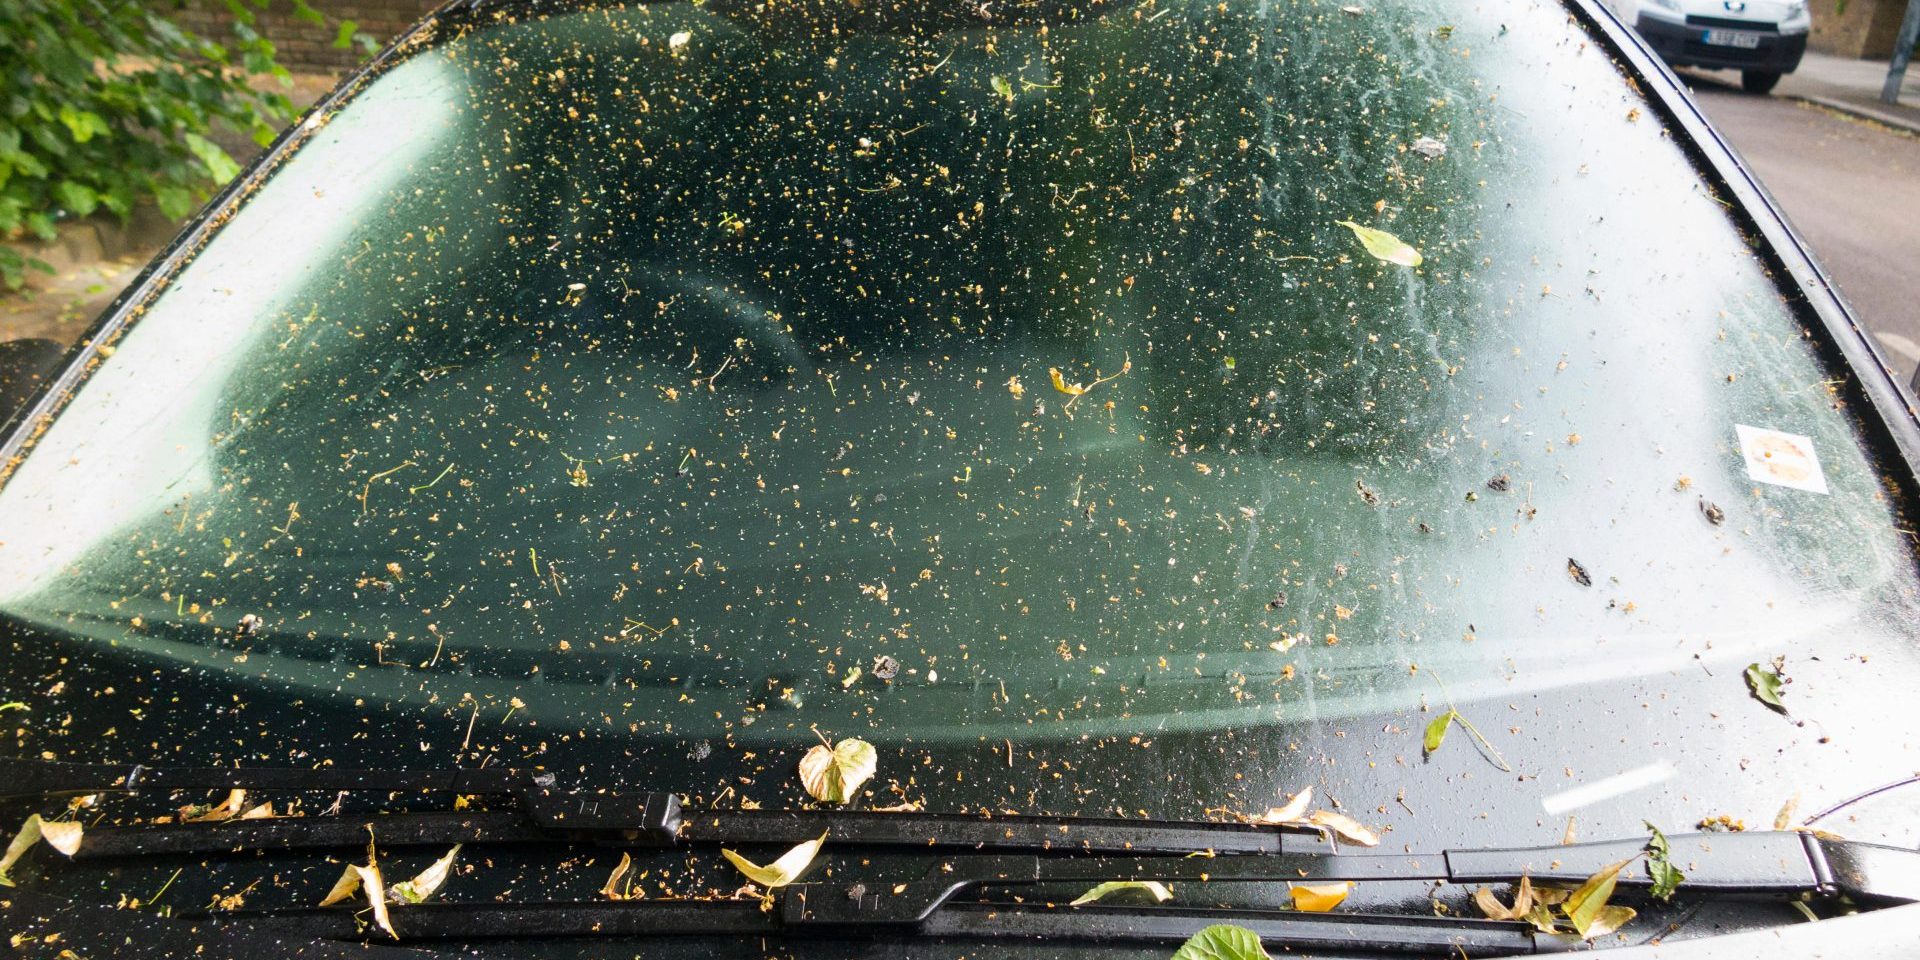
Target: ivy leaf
219	165
1222	941
425	883
1385	246
343	38
78	199
1666	877
1586	907
175	202
834	775
62	836
1767	686
1437	730
1159	891
1320	898
782	871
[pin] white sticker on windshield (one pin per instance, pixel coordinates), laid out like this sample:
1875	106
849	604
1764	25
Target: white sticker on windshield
1782	459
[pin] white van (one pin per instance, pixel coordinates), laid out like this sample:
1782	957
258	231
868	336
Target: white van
1760	38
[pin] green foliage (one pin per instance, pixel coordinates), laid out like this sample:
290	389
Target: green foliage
104	103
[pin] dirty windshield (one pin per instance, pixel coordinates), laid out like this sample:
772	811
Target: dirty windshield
672	373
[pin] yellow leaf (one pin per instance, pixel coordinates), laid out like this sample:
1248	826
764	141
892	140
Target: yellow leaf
615	890
261	812
62	836
376	897
226	810
357	878
835	775
1291	811
1385	246
1320	898
1345	826
1608	920
343	888
1587	903
1492	907
1784	818
1060	383
782	871
1159	891
425	883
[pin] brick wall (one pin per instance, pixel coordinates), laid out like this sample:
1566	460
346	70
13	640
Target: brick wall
306	48
1856	28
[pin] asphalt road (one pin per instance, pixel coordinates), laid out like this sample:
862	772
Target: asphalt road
1852	190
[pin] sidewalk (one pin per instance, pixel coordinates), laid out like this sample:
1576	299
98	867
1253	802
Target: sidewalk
1842	83
1853	86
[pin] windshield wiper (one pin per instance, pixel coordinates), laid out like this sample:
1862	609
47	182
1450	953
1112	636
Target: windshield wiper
549	811
1762	865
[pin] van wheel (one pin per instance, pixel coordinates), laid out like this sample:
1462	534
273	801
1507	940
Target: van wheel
1758	81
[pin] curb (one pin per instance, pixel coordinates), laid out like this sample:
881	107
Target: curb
1858	111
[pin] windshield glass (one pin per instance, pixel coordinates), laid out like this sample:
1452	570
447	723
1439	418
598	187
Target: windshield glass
667	373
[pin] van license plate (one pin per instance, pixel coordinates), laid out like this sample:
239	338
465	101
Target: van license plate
1744	39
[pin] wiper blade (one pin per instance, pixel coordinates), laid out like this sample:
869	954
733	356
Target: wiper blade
549	811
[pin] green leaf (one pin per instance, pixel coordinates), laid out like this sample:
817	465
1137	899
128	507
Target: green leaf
343	38
1767	686
1437	730
78	199
220	166
1385	246
82	125
834	775
175	202
1222	941
1586	908
1666	877
1005	89
1157	889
